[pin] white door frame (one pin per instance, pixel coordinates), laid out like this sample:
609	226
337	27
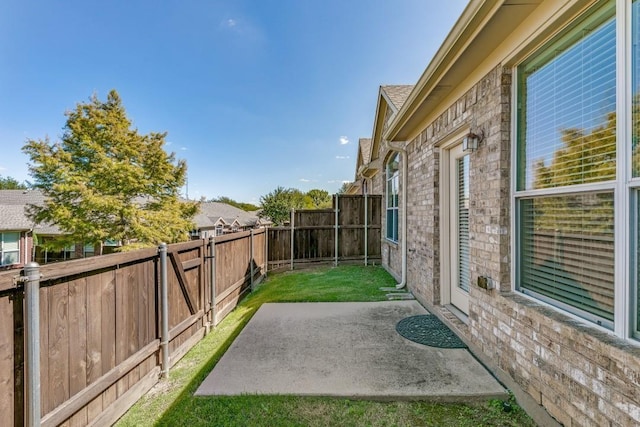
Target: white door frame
448	241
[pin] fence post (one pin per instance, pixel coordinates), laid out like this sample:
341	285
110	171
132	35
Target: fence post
336	232
366	229
32	333
164	308
212	278
293	216
266	250
251	257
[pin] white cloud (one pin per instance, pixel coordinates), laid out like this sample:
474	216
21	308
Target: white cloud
304	180
184	148
169	143
344	140
243	30
231	24
2	168
342	157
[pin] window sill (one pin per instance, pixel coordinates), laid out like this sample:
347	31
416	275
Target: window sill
554	314
392	243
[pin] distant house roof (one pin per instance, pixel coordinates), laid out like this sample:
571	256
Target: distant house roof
211	212
13	215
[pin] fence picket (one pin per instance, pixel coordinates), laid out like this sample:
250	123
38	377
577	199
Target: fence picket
323	235
100	326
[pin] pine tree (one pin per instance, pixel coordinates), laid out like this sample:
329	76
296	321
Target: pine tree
105	181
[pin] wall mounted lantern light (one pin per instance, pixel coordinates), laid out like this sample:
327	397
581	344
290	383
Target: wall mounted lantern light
471	141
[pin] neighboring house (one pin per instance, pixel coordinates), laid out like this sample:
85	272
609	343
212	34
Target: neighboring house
17	231
511	175
361	182
216	219
22	241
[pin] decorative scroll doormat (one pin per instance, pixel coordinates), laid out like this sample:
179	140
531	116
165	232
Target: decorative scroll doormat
428	330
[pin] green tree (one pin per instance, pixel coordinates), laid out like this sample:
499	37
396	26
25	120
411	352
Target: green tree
345	186
8	183
277	204
584	157
104	180
248	207
319	198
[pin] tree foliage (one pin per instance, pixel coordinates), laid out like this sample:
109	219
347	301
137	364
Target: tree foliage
247	207
584	157
104	180
344	187
8	183
319	198
277	204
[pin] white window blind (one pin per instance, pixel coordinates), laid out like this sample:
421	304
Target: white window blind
568	105
464	276
393	189
635	99
567	137
567	252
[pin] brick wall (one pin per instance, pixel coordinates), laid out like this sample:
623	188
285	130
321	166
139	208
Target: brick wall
423	225
580	374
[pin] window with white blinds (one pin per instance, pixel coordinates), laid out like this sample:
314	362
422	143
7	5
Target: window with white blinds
567	123
567	252
393	188
566	129
636	262
635	158
635	85
464	276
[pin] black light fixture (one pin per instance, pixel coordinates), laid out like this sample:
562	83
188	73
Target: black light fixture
471	141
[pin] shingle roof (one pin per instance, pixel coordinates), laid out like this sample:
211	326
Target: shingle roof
397	94
13	215
365	149
21	197
210	212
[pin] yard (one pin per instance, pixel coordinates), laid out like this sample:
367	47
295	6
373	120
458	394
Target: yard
171	402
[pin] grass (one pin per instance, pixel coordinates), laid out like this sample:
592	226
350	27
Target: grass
171	402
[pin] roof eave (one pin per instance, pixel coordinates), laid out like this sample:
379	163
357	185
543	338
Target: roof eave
378	125
367	171
471	21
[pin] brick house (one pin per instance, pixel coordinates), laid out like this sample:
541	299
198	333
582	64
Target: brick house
511	182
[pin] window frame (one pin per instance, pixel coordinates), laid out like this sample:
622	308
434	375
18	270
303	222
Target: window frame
392	180
625	187
3	250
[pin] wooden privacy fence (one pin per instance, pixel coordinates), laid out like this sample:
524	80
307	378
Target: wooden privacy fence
81	341
350	231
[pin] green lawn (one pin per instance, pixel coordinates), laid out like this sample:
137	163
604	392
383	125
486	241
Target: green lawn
171	402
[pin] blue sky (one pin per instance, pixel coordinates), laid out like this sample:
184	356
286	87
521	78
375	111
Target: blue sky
254	94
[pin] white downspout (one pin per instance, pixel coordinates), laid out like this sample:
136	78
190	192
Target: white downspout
403	219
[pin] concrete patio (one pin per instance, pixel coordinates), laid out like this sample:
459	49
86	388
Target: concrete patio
348	350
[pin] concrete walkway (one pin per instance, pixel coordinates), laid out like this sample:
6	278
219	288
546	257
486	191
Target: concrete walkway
349	350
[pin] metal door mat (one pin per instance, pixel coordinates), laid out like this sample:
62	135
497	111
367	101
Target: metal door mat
428	330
